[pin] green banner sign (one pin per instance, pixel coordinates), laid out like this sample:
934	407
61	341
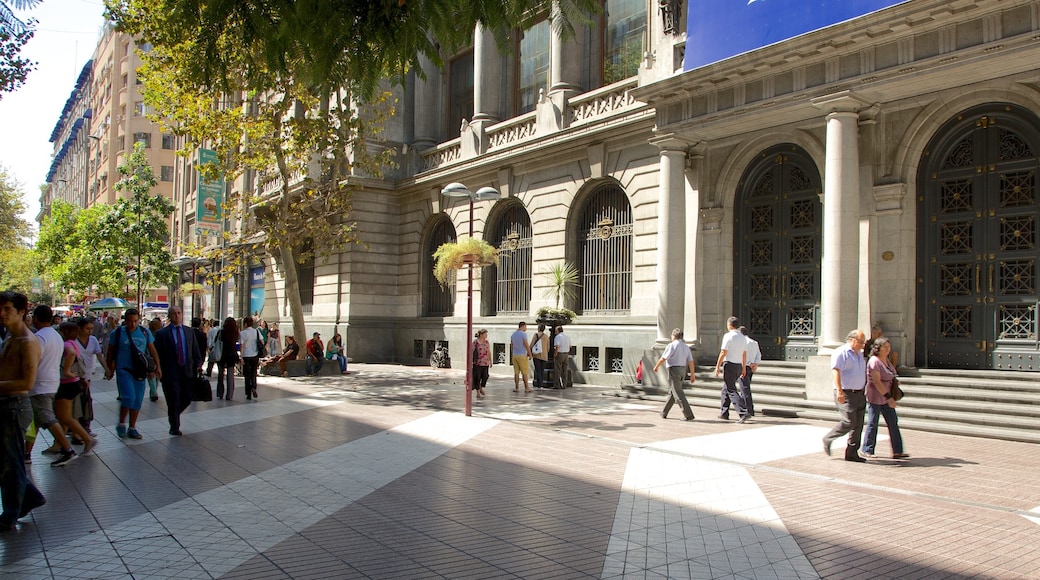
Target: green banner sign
209	216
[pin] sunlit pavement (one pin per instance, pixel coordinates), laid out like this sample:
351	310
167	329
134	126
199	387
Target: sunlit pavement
378	474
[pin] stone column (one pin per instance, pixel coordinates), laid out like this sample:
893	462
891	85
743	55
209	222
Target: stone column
487	77
671	236
426	106
839	300
691	318
564	58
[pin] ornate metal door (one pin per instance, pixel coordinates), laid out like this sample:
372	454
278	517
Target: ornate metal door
778	244
978	207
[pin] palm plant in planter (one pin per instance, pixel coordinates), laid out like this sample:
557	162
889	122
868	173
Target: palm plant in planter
450	257
563	279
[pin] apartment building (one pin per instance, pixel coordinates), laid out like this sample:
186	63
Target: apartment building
101	121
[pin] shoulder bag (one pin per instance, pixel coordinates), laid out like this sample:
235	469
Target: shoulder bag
896	393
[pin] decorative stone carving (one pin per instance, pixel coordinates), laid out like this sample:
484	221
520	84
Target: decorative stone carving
888	198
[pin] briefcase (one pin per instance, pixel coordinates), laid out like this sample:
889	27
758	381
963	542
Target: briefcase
201	389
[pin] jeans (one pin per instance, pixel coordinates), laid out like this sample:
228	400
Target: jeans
314	364
539	372
250	364
870	433
15	487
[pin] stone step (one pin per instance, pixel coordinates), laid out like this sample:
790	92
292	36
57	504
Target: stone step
991	404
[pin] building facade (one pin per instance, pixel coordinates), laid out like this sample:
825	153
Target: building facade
875	167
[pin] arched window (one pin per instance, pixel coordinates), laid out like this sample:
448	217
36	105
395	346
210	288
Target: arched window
511	280
605	251
438	300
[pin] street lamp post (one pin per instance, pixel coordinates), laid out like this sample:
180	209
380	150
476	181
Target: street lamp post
484	193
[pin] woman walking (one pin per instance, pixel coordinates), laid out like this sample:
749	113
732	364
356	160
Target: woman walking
880	372
228	336
120	363
481	362
73	371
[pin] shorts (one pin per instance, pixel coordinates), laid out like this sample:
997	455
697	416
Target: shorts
69	391
43	410
520	365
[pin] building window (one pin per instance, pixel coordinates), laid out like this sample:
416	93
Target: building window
439	301
166	173
512	278
139	108
145	138
533	66
623	40
460	97
168	141
605	248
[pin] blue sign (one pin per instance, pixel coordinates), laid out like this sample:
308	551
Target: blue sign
719	29
256	290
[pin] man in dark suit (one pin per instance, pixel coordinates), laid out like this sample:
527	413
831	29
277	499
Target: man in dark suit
180	357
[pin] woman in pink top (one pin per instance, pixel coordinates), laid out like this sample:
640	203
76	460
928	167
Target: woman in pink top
880	403
69	388
481	361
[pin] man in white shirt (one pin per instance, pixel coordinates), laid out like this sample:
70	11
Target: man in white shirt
732	364
48	375
562	350
678	357
754	357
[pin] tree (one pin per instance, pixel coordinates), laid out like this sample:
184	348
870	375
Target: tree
139	224
105	248
14	229
295	79
14	34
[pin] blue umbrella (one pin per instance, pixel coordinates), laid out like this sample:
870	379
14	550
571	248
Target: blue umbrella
109	304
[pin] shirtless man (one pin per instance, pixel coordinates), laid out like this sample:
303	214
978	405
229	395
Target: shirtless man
18	362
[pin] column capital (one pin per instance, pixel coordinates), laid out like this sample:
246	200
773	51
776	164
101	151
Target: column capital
840	102
670	143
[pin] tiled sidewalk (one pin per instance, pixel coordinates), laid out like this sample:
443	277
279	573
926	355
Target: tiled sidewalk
379	475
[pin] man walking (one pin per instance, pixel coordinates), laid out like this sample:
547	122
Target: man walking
521	351
19	359
562	350
180	355
754	358
48	377
849	370
678	357
732	364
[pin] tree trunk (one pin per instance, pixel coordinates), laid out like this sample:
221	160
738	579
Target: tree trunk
292	294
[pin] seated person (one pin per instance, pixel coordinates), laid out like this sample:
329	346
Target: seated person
292	350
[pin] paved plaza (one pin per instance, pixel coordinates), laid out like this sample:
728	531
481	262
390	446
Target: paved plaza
380	475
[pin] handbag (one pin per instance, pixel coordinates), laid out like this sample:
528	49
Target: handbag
895	392
537	348
78	368
216	352
261	348
141	364
201	389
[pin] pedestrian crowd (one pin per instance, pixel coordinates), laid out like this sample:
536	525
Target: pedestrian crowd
523	352
46	367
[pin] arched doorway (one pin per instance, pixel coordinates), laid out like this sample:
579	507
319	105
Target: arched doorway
437	300
978	241
778	243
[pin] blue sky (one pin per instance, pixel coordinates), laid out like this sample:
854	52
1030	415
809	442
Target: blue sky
66	34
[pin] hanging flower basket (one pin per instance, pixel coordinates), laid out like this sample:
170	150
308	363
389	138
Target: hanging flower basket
450	257
192	288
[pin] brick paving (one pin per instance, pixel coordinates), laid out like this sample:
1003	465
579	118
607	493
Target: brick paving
378	475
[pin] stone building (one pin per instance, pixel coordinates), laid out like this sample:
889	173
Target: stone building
872	166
